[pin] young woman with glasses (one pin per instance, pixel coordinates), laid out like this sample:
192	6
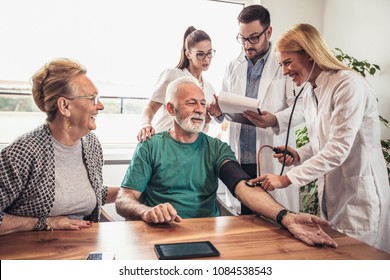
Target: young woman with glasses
196	56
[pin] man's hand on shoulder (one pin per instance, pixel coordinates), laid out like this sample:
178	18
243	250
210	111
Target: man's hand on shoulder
162	213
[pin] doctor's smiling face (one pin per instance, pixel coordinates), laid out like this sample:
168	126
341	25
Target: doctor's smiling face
297	65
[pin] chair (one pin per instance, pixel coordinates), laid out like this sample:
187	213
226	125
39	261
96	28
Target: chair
105	217
108	214
224	210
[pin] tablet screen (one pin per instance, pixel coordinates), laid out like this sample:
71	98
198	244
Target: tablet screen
185	250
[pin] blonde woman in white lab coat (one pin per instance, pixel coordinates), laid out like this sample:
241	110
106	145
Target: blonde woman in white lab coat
344	152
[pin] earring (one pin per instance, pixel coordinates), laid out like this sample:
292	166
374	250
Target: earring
68	123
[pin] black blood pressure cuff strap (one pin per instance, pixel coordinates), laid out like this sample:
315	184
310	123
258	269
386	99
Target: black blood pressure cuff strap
231	173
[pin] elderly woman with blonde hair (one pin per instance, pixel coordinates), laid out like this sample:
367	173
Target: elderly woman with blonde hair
51	177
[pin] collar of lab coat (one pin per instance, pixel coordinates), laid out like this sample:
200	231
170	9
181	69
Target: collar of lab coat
270	70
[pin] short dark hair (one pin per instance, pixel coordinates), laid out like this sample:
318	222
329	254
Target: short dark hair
255	12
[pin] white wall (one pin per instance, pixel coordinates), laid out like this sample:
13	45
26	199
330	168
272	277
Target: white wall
361	28
286	13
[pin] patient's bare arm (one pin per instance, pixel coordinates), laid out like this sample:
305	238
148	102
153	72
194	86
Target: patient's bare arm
129	205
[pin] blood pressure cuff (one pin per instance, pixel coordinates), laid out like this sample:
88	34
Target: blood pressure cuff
231	173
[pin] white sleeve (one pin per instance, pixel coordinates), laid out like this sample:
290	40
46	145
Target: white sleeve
161	86
209	92
305	152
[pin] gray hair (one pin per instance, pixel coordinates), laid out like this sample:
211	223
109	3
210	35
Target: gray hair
171	93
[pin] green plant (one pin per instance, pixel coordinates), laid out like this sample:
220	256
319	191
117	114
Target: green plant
385	143
309	192
362	67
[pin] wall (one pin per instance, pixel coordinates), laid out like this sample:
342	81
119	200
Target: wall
361	28
285	14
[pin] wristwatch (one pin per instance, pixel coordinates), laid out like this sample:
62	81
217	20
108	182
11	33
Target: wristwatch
281	215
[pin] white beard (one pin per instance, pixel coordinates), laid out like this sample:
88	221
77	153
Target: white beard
187	125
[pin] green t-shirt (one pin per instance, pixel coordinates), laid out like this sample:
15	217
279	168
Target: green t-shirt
185	175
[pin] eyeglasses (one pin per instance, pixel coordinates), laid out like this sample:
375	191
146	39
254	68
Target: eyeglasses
94	98
202	55
254	39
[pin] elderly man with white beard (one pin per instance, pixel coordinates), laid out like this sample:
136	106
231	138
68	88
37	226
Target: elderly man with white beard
175	174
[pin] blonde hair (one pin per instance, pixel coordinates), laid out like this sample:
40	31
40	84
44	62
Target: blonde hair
54	80
305	37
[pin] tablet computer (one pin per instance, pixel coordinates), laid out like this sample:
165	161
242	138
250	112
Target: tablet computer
173	251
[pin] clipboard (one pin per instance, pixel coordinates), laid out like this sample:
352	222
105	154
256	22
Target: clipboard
238	118
233	106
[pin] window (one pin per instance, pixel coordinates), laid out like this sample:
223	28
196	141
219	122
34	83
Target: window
124	45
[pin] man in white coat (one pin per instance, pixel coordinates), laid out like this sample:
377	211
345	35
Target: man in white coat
256	73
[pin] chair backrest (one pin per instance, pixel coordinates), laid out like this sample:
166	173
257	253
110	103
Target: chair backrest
108	214
225	210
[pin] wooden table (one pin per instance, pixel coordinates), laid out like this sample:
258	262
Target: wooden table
243	237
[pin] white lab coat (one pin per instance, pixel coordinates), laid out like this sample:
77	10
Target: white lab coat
276	96
345	154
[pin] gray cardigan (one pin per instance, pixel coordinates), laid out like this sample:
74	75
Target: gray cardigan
27	174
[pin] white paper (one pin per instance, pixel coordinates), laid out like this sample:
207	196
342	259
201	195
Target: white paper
234	103
233	106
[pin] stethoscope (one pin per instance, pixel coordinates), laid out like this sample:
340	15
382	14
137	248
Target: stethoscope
285	152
